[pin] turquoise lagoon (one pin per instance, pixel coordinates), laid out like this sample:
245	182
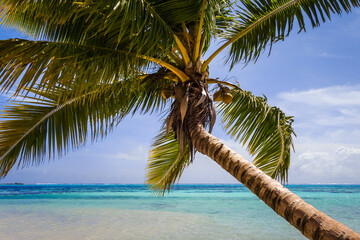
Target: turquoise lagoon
35	212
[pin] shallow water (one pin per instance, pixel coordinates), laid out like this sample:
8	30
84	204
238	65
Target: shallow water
131	212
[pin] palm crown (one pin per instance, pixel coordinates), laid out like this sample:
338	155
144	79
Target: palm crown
94	62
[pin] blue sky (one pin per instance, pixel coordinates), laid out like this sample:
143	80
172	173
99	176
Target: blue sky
313	76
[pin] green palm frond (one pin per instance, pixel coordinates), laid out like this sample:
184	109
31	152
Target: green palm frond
178	12
224	19
30	63
52	20
133	24
174	12
263	22
166	163
50	123
148	97
217	20
266	131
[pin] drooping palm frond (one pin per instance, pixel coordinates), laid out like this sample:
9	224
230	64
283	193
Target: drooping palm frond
263	22
103	23
29	63
53	121
265	130
149	98
49	123
52	20
166	163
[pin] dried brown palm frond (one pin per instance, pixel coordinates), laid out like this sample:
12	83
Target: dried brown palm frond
192	104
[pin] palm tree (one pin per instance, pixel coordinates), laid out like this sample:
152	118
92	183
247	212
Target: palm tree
95	62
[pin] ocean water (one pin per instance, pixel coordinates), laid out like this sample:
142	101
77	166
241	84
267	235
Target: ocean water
196	212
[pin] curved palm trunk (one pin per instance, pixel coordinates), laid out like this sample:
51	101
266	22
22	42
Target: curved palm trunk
312	223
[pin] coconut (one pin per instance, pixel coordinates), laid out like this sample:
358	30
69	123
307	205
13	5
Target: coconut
217	96
227	98
225	89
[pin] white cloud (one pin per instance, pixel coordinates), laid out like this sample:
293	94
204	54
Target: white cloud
325	162
343	96
337	106
327	122
347	151
315	163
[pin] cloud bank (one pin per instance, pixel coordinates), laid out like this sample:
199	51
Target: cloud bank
327	122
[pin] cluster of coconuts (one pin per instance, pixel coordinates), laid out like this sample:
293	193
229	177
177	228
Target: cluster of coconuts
223	95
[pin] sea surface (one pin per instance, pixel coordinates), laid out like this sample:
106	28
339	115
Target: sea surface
67	212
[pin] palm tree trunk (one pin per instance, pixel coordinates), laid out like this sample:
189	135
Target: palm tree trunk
312	223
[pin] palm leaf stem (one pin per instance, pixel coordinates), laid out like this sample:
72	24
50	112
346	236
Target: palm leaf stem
177	40
281	156
185	32
212	81
183	77
202	45
182	50
196	52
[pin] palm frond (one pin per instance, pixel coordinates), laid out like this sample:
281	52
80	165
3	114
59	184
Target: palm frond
218	19
50	123
224	18
148	98
166	163
176	11
266	131
133	24
180	13
51	20
264	22
53	120
29	63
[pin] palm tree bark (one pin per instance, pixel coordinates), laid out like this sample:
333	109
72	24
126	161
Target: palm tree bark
312	223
